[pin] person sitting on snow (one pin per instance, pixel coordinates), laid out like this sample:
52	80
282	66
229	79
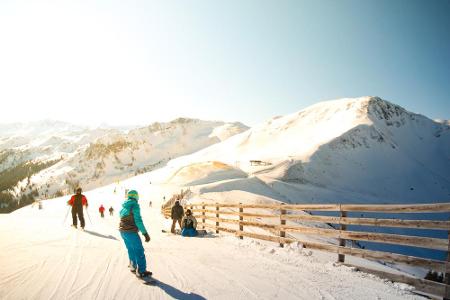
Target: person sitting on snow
189	224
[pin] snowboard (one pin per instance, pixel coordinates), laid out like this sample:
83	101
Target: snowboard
149	280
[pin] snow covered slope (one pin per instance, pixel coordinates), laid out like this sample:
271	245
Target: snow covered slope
41	257
347	150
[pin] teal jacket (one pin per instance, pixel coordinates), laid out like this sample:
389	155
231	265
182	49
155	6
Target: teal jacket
130	217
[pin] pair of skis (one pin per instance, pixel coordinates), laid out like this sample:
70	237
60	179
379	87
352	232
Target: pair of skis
67	213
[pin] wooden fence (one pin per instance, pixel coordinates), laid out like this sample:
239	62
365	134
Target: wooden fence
274	217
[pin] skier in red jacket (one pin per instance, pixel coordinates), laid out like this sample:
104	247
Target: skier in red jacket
101	209
77	202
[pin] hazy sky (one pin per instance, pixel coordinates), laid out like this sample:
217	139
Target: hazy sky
127	62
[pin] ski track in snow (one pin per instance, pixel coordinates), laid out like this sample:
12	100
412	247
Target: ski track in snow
41	259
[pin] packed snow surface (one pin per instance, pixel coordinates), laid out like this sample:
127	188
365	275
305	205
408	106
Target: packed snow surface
42	257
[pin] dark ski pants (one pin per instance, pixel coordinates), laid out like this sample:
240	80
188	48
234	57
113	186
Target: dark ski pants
76	212
174	222
135	250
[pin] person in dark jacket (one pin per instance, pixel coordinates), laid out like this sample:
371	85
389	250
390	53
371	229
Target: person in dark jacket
130	224
111	211
176	215
77	202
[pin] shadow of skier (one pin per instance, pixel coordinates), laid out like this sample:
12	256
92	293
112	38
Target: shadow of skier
101	235
177	294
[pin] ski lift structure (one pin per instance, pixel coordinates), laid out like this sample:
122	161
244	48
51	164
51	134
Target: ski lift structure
259	163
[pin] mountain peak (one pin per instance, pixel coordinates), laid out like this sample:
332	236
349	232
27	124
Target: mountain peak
385	110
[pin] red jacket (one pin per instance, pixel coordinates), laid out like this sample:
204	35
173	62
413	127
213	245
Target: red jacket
83	200
101	209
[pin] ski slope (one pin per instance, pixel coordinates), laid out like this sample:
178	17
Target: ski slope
42	257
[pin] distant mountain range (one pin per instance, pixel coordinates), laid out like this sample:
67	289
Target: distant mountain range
50	158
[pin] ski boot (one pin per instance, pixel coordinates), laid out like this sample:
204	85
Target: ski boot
132	268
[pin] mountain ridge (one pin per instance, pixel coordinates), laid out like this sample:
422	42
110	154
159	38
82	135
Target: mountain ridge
365	146
95	157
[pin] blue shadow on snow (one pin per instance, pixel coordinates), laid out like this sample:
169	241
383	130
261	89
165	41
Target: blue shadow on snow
100	235
177	294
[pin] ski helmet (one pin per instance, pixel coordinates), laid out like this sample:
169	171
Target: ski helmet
132	194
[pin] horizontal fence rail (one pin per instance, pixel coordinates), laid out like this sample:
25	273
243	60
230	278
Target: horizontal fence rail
271	220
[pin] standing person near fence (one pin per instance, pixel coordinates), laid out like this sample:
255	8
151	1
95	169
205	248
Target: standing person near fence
77	202
176	215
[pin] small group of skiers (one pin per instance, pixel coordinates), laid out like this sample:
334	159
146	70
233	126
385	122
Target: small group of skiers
101	210
78	201
187	222
130	225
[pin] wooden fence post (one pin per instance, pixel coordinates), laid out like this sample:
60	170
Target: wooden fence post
447	272
203	215
341	257
217	216
282	222
241	218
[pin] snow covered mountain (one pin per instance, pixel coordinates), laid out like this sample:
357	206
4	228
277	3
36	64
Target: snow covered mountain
93	157
362	150
347	150
44	140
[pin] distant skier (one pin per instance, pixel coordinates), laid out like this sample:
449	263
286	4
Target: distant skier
77	202
111	211
177	213
189	224
150	203
130	224
101	210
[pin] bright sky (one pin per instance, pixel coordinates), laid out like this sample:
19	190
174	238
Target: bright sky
128	62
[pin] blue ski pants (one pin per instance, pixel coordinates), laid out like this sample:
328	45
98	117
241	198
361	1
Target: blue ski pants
135	250
189	232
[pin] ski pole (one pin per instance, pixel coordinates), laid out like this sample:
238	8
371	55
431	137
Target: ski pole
67	213
89	217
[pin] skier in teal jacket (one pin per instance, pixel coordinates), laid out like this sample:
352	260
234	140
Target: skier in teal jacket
130	224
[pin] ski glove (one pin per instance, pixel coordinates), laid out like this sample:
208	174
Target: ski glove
147	237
